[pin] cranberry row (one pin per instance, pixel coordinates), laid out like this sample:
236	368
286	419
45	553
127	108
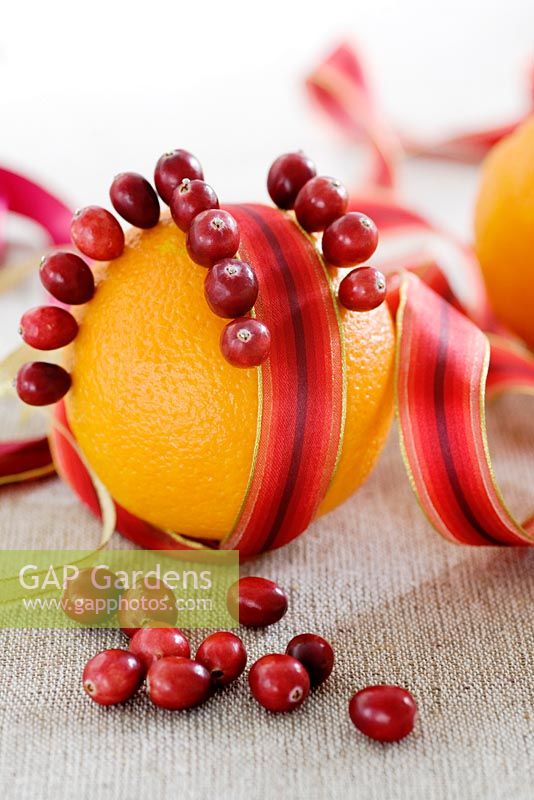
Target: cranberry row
320	205
280	682
231	286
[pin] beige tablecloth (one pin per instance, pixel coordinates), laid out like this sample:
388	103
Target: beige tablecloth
399	605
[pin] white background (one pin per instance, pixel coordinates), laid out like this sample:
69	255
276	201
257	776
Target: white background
92	89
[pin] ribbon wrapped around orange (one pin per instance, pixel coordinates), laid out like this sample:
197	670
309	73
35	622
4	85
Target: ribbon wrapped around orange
441	374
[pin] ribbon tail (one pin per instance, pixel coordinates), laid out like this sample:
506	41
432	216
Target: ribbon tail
441	370
25	460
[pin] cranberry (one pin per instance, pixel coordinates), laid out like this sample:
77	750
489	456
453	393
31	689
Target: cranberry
144	603
112	676
189	199
231	288
279	682
176	683
362	289
68	278
48	327
149	644
384	713
97	233
172	168
314	653
256	602
320	202
213	235
224	656
349	240
287	176
92	596
245	342
41	384
135	200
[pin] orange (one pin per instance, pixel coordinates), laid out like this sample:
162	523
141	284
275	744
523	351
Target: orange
504	230
165	422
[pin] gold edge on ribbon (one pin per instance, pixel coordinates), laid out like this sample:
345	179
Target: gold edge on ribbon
339	321
399	320
521	532
185	540
105	500
28	475
259	424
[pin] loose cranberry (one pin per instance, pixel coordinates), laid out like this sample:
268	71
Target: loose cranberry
349	240
48	327
320	202
279	682
135	200
41	384
384	713
172	168
189	199
256	602
68	278
314	653
224	656
92	596
97	233
176	683
149	644
287	176
231	288
112	677
362	289
213	235
141	605
245	342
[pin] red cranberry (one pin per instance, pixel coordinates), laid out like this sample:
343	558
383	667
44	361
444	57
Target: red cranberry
362	289
48	327
135	200
42	384
320	202
213	235
245	342
279	682
287	176
142	604
384	713
97	233
176	683
172	168
349	240
256	602
149	644
224	656
189	199
231	288
314	653
112	676
68	278
92	596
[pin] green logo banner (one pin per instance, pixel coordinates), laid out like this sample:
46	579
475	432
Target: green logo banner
116	588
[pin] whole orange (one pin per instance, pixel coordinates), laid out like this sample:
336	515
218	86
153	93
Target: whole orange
165	422
504	230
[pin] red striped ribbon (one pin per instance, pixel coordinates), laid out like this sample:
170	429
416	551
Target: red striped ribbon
340	88
442	362
302	383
